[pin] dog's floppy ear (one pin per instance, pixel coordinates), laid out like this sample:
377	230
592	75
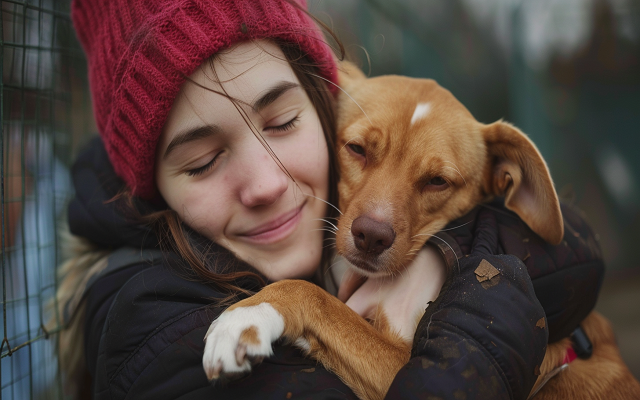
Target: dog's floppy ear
518	172
348	73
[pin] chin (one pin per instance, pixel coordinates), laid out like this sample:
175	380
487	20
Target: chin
301	266
296	258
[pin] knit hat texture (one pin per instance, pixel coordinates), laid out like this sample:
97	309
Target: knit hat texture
140	51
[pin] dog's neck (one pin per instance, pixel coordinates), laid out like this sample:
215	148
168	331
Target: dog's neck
420	281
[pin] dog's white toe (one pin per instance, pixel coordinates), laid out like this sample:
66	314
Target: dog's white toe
239	335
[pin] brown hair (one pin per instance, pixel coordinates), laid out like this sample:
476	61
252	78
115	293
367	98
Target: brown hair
174	236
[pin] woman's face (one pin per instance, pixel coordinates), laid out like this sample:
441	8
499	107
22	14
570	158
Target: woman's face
213	171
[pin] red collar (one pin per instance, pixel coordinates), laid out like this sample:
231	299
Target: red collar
569	356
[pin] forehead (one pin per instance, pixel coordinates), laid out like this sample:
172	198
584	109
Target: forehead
243	72
407	117
402	104
418	98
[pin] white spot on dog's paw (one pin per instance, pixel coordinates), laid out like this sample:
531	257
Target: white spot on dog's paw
239	335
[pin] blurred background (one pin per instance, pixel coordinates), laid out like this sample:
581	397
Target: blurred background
567	72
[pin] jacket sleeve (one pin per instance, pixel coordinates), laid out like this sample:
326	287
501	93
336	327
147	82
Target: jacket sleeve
483	337
566	278
151	347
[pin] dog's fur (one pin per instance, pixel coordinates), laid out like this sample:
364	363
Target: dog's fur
412	159
602	376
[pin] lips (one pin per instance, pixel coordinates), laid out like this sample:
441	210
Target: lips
277	228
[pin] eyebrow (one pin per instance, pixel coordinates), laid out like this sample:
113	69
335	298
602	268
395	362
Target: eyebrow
191	135
273	94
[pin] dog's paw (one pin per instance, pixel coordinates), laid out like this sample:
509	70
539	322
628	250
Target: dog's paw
239	337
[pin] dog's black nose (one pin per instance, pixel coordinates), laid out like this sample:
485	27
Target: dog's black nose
371	236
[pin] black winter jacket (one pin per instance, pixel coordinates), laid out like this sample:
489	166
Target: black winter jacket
146	319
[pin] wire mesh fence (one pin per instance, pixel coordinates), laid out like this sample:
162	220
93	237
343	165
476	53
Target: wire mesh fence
40	64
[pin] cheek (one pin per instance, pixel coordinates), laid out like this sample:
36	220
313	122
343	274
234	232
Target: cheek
201	205
308	161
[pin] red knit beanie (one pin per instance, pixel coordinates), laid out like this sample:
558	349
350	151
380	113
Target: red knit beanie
140	51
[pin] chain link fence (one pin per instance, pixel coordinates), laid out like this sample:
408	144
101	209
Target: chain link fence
43	94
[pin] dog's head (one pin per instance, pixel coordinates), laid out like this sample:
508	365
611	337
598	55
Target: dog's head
413	158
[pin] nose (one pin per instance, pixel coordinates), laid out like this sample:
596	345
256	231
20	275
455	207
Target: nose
265	184
371	236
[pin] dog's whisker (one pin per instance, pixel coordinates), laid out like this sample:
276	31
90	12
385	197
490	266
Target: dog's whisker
455	168
399	272
331	266
325	229
330	223
348	141
324	201
443	241
422	234
403	270
394	250
345	92
455	227
413	238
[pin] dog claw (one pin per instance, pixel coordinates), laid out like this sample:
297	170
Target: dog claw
214	373
241	353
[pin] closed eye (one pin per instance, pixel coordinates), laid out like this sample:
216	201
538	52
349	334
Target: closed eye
286	126
201	170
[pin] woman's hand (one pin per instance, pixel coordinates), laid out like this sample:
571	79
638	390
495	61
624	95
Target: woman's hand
403	298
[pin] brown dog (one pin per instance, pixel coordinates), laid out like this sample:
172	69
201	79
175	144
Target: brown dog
412	159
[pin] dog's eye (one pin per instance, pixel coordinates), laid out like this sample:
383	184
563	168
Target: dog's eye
359	150
437	183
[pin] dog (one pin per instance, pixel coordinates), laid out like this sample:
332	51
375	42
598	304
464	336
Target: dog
389	127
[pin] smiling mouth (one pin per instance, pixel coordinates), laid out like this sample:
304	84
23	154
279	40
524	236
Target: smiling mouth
276	229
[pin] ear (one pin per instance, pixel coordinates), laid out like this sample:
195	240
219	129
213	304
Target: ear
518	172
348	74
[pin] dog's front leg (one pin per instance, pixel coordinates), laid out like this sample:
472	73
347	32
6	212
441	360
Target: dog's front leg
329	331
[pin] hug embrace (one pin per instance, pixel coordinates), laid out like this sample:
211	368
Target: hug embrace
240	165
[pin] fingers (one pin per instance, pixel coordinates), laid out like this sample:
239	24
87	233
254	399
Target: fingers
351	281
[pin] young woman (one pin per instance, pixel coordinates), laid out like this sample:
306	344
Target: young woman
211	177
